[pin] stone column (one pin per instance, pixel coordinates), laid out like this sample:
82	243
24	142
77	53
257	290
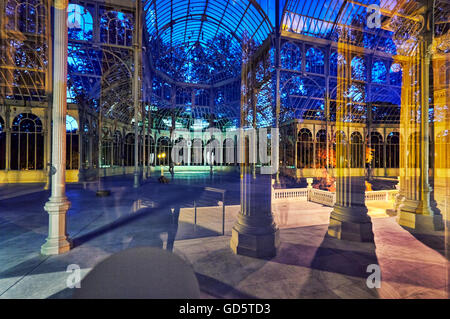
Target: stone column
255	233
415	210
349	219
58	204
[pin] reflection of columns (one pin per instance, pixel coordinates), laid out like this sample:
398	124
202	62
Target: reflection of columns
58	204
415	210
8	122
349	219
136	88
255	233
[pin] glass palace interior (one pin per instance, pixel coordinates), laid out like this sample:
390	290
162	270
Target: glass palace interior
98	95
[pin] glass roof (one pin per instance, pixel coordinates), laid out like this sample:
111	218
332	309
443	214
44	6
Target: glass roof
327	19
185	33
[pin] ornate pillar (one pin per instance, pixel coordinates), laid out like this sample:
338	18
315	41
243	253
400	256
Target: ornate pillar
349	219
255	233
58	204
415	210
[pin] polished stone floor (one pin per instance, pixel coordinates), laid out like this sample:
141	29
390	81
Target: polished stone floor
309	264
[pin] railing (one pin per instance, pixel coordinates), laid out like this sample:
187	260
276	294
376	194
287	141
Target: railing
290	194
381	195
324	197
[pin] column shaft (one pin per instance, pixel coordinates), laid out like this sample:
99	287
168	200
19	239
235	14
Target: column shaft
58	204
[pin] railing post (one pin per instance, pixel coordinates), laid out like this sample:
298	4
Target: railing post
195	215
223	213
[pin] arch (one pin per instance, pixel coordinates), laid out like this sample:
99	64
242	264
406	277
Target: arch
291	57
202	97
305	149
27	143
340	140
359	71
26	16
72	143
379	72
2	144
356	150
117	149
321	148
116	28
197	152
393	150
79	22
315	61
377	148
129	150
229	151
163	151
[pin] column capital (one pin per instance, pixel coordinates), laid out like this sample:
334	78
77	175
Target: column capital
61	4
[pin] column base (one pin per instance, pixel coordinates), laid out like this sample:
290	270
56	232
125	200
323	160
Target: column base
56	246
420	222
57	243
255	245
347	226
413	214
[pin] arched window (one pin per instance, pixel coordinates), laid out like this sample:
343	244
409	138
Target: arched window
150	150
340	140
117	149
72	143
392	150
183	96
356	149
163	151
116	28
229	152
27	143
107	145
358	69
2	144
395	74
321	149
129	149
337	60
79	22
197	152
305	149
379	72
377	145
291	57
27	16
201	98
315	61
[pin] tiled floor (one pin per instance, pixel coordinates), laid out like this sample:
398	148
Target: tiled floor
309	264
